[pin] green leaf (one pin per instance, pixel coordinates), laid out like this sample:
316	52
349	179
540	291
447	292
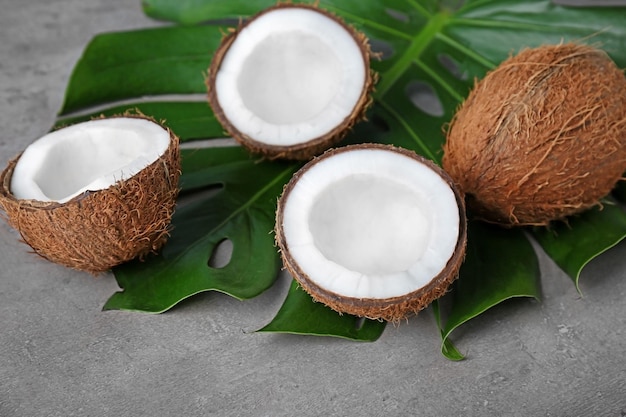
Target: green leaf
574	244
447	347
431	53
149	62
499	265
517	24
190	12
190	120
237	204
317	319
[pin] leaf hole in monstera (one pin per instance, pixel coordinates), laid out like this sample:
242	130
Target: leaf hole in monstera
381	49
425	98
191	196
221	255
359	323
398	15
452	66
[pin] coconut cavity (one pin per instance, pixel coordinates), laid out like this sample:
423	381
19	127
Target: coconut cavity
372	230
88	156
96	194
291	81
541	137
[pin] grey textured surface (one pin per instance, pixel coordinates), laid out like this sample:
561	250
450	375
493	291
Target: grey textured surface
60	355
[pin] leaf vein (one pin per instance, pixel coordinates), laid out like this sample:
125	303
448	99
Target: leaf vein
416	138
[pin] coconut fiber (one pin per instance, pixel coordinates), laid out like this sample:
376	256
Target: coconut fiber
541	137
100	229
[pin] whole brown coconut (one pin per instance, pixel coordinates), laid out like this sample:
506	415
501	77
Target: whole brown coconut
541	137
97	230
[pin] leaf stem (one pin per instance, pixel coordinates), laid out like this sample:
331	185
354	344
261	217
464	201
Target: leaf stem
467	51
440	81
425	151
282	177
420	9
416	47
509	25
369	23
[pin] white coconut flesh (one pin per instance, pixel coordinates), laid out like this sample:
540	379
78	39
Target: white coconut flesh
90	156
290	76
371	223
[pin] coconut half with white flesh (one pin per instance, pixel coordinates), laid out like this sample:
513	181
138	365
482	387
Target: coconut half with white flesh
291	81
95	194
372	230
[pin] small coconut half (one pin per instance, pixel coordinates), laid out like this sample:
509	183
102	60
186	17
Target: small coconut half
291	81
95	194
372	230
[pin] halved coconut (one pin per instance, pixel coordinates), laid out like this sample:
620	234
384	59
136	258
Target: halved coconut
372	230
291	81
95	194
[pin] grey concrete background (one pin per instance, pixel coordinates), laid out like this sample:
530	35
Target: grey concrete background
60	355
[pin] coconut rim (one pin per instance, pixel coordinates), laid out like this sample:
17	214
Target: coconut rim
304	150
7	173
390	308
20	213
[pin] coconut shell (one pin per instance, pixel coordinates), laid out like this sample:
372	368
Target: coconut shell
302	151
100	229
393	309
541	137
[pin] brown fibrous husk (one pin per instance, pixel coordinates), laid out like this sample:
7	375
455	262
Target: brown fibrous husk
393	309
541	137
98	230
306	150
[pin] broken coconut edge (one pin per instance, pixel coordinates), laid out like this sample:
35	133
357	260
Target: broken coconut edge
100	229
391	309
305	150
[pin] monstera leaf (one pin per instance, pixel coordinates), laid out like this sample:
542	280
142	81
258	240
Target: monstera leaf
237	204
430	54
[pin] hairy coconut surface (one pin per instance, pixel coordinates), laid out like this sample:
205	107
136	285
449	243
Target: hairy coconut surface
541	137
98	226
291	81
372	230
